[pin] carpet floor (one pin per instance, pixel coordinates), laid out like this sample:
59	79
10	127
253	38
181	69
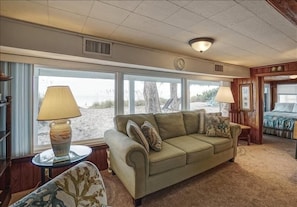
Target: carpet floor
261	176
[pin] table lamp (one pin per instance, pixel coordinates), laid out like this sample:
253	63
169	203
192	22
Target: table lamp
224	95
58	106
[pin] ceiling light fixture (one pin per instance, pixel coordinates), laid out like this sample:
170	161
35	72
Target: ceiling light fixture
201	44
293	76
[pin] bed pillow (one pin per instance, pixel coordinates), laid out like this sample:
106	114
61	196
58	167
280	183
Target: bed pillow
283	107
218	126
135	133
295	108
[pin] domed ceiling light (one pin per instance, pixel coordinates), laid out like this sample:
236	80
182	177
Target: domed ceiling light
201	44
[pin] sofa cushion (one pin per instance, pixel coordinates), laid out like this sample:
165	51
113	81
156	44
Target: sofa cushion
191	121
120	121
195	149
202	118
170	125
217	126
168	158
152	136
220	144
135	133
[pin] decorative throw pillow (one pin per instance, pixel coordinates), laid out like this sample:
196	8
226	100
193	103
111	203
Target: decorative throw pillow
135	133
152	136
203	116
218	126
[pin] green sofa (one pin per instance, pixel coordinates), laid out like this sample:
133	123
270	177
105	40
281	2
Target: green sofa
186	150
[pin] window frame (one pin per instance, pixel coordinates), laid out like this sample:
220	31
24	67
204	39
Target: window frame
118	72
57	72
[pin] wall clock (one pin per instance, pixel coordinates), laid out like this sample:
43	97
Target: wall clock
179	63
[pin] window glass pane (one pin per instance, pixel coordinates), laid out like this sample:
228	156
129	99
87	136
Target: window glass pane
144	94
95	97
287	98
202	95
287	93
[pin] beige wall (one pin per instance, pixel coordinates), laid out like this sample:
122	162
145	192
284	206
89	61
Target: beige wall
17	34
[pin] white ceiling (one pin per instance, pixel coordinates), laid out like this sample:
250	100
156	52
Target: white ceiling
246	32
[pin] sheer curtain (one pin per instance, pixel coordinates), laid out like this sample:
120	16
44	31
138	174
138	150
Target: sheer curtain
21	92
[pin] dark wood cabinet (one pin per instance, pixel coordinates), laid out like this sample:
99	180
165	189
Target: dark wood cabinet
5	140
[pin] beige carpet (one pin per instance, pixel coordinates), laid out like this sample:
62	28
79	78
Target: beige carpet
262	175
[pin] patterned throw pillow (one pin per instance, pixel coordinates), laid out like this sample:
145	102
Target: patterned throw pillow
135	133
218	126
152	136
202	118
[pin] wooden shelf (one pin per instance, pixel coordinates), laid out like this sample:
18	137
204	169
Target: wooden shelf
5	78
3	104
5	141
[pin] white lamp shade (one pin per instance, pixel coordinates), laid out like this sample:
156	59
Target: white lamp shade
224	95
58	103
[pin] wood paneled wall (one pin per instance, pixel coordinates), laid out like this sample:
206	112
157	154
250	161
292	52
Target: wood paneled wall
254	118
26	176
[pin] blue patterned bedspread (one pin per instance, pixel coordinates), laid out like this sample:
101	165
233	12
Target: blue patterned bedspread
279	120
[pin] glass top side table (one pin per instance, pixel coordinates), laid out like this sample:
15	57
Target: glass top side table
47	160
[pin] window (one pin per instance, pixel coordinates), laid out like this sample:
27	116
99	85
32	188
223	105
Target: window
287	93
202	95
145	94
94	93
100	94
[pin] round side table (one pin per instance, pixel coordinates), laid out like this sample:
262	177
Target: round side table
47	160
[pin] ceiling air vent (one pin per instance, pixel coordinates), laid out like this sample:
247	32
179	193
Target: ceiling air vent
219	68
97	47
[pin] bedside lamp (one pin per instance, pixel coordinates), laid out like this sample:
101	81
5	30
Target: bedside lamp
224	95
58	106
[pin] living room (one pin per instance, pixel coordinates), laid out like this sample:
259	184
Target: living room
54	46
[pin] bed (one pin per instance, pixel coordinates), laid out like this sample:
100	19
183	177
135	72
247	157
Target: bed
280	121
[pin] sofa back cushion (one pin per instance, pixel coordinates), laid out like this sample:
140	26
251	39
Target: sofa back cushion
192	120
120	121
170	124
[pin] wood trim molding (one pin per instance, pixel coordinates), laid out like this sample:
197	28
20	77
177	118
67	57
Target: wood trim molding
287	8
25	175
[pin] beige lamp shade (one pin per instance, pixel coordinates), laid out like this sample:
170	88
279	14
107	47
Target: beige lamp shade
224	95
58	103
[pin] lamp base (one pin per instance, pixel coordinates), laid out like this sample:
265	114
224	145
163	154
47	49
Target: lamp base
60	135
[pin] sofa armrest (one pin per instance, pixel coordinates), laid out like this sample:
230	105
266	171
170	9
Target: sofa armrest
125	148
129	160
235	132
